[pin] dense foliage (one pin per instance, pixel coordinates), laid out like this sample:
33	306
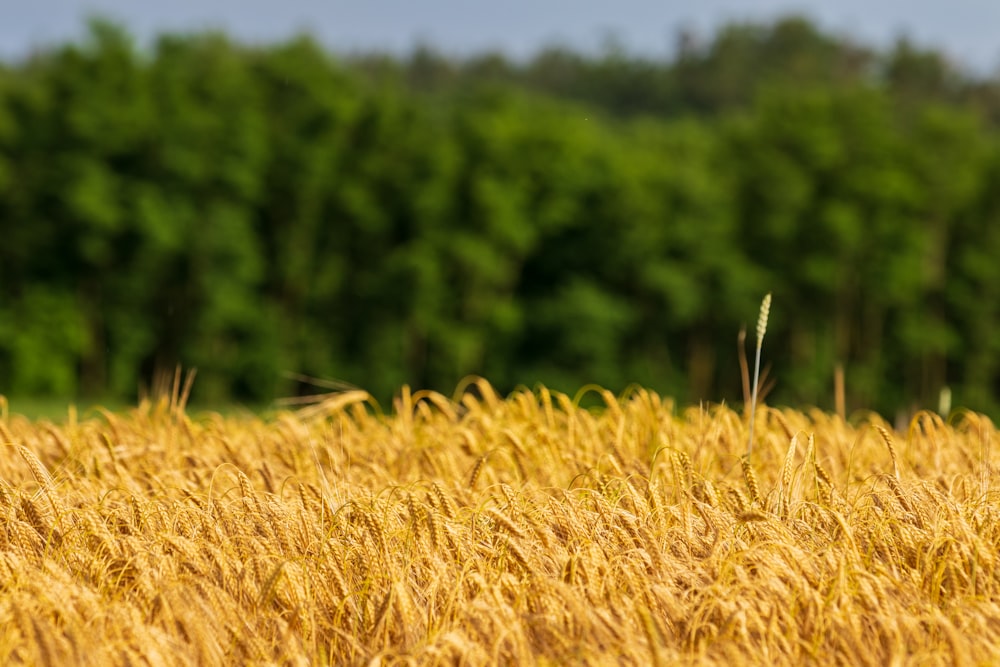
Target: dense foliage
252	211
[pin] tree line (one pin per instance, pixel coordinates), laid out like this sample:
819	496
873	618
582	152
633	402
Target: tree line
255	211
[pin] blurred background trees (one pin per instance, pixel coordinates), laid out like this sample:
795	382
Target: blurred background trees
256	211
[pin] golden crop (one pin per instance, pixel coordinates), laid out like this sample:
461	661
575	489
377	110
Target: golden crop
522	530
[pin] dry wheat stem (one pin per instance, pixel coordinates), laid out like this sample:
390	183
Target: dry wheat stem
765	309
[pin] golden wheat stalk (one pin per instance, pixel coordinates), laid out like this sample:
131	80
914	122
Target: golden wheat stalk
765	309
786	472
887	439
750	476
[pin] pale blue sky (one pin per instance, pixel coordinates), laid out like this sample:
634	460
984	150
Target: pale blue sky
968	30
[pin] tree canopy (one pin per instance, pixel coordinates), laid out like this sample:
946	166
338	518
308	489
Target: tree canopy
254	211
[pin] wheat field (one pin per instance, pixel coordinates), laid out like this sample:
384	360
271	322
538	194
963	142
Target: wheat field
497	530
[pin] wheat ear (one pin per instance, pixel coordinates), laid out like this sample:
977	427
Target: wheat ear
887	439
786	469
765	309
751	479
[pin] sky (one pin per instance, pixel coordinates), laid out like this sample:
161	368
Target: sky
967	30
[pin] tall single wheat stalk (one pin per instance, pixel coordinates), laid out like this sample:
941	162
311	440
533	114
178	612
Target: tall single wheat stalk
765	309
